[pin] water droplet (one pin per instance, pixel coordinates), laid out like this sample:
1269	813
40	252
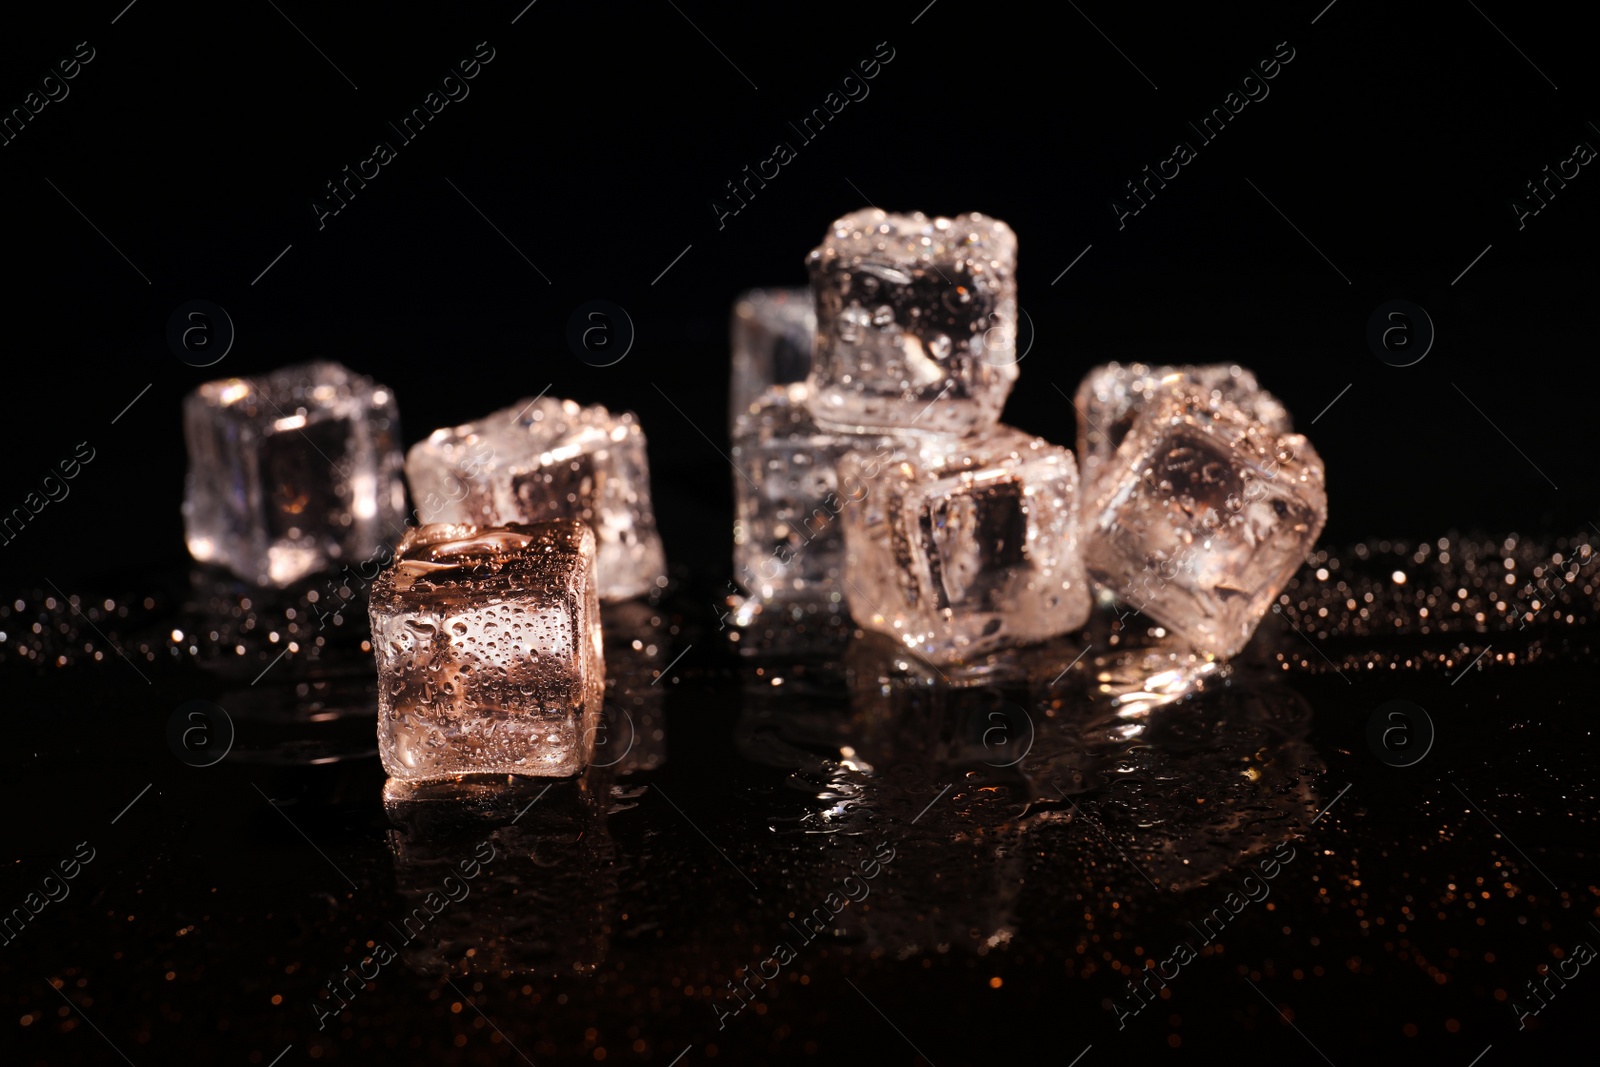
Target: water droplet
851	322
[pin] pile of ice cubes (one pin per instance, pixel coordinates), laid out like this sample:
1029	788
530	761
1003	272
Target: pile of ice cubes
486	623
872	475
877	477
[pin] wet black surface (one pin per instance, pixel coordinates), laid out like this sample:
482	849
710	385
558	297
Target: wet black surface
886	861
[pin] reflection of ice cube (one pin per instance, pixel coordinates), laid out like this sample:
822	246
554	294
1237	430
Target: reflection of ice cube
291	472
502	877
1181	789
773	333
1113	397
788	540
488	650
916	323
1206	517
546	459
971	716
892	759
956	554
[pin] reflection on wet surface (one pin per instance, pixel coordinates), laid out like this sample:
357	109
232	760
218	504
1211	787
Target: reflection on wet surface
1016	839
1056	757
505	876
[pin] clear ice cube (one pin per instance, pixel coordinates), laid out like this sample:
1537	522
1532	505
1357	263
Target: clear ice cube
489	651
291	472
1207	515
788	540
966	545
547	459
773	332
1112	398
916	323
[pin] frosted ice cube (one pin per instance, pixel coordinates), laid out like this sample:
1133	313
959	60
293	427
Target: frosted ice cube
772	335
966	545
1207	515
916	323
489	651
291	471
548	459
788	542
1112	397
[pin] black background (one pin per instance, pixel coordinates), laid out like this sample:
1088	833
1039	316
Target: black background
599	136
595	143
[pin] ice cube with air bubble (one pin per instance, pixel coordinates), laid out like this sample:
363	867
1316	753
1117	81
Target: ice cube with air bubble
543	459
489	653
788	544
916	323
1112	397
1203	517
960	546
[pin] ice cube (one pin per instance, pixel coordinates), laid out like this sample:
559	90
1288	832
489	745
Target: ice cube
773	333
489	650
965	545
1112	397
788	543
1207	515
291	472
548	459
916	323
